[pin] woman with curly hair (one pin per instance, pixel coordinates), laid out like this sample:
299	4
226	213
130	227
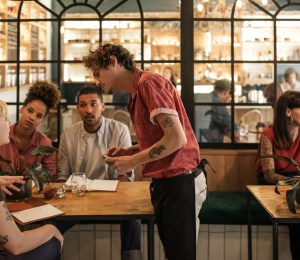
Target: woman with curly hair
24	135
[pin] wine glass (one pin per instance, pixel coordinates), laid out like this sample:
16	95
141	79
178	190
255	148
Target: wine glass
78	183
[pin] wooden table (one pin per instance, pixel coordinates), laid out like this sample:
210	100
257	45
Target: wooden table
130	201
276	207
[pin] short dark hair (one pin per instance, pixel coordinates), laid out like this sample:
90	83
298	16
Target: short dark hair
101	56
90	90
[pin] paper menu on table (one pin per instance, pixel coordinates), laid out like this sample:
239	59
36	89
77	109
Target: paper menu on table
36	214
98	185
104	185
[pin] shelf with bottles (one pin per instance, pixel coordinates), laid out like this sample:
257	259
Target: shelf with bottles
27	75
74	72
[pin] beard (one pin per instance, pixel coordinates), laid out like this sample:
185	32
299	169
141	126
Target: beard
91	121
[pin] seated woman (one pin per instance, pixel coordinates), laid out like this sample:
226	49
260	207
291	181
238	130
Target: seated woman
41	243
282	138
24	135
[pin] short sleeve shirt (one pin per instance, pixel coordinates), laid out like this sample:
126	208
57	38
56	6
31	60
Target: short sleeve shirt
281	167
155	95
10	151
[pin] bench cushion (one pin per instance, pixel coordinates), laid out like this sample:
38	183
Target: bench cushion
231	208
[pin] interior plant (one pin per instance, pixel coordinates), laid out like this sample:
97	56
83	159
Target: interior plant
34	172
293	194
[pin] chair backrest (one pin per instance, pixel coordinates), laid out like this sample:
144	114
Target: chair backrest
124	117
251	118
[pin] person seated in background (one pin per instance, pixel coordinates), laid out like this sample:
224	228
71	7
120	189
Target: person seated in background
169	74
290	80
24	135
121	97
41	243
282	138
220	124
82	148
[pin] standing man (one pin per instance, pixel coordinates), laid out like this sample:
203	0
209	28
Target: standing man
167	147
220	124
82	147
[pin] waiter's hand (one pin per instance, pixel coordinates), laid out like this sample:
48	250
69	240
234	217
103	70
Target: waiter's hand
122	164
119	151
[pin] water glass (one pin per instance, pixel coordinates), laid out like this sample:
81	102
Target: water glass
78	183
59	192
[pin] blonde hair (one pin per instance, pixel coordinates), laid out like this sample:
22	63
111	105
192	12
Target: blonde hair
3	109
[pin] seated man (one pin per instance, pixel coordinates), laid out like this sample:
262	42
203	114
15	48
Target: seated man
82	147
220	124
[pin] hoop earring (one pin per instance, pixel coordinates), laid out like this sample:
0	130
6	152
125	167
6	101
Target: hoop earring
291	120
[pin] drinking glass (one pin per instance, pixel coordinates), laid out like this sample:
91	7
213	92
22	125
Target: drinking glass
59	192
78	183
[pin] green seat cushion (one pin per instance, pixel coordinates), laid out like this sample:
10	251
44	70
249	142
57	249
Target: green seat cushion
231	208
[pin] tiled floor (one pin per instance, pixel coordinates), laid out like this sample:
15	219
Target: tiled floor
216	242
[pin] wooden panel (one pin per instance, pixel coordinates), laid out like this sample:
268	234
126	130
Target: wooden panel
235	169
215	181
231	172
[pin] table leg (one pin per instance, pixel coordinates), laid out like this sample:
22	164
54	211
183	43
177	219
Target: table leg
249	226
150	238
275	240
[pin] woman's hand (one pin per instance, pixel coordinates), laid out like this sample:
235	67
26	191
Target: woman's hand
7	181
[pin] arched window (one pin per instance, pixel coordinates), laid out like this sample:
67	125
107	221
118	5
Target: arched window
253	44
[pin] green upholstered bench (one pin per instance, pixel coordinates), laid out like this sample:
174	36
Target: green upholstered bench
231	208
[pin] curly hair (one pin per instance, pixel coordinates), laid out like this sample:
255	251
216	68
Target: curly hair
101	56
45	91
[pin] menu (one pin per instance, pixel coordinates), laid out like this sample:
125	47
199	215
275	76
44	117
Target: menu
97	185
36	214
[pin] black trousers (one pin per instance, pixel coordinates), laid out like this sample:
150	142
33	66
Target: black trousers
173	200
294	240
47	251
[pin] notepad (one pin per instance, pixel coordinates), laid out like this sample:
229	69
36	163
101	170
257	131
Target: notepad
36	214
97	185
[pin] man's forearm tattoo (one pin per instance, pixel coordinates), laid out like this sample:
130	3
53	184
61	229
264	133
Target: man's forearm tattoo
8	215
167	122
3	239
155	151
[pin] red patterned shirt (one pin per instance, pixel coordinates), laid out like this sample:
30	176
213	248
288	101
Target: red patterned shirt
281	167
155	95
10	151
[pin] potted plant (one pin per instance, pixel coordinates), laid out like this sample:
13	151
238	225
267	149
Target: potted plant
35	172
293	194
